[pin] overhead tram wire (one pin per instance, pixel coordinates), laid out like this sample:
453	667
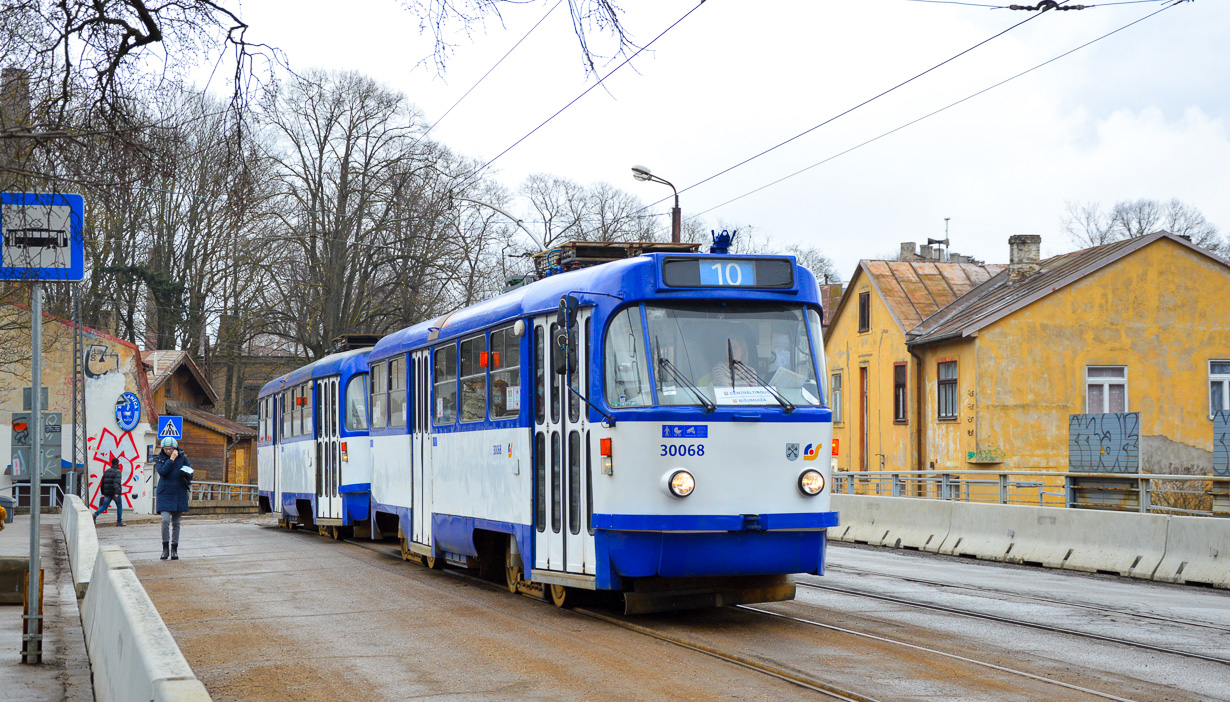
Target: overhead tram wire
585	92
936	112
1037	7
489	71
834	118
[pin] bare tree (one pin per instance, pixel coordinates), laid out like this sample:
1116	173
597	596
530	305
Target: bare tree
1087	224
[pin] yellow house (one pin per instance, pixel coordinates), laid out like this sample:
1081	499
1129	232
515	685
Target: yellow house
1133	326
871	369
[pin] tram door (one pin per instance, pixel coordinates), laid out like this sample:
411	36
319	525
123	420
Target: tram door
563	541
274	417
420	446
328	451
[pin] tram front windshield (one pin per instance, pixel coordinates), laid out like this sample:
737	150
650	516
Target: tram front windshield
721	354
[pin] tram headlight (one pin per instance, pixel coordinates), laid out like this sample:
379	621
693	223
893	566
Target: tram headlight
681	483
811	482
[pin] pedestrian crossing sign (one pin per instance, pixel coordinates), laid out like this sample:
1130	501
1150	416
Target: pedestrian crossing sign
170	428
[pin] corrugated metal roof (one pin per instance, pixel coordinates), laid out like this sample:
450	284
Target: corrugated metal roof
200	417
915	290
1000	296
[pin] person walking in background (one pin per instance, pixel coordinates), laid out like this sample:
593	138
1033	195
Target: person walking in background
174	477
112	483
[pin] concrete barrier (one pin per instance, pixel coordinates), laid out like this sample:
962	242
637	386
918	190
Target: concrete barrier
133	655
899	522
1197	551
976	530
1125	544
81	541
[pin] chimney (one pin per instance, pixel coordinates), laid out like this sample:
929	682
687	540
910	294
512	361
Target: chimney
924	252
908	249
1023	255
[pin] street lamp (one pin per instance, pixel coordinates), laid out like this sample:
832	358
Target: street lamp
642	173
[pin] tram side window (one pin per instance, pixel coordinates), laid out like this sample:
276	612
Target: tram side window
380	405
296	413
286	407
306	390
445	363
356	399
397	392
474	359
540	362
816	330
627	374
505	364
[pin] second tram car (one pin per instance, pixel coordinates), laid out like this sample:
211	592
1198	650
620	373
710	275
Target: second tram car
655	425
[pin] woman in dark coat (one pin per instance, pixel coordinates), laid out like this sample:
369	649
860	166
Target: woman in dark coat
174	477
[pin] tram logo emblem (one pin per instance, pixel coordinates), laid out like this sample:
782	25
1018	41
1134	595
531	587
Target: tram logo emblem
812	452
792	452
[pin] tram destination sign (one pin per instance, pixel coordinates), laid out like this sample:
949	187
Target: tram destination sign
727	272
41	236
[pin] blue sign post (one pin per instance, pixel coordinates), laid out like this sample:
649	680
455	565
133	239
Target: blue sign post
170	428
41	238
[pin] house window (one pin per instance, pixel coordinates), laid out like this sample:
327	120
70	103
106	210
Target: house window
899	393
946	390
1106	389
864	311
1219	386
835	388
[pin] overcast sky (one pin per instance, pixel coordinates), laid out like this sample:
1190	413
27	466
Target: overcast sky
1140	114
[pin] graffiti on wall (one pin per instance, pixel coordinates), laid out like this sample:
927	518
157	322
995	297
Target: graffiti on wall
134	481
1104	443
100	360
1221	443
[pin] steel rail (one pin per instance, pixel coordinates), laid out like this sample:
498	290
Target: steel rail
1017	622
916	647
1036	598
735	659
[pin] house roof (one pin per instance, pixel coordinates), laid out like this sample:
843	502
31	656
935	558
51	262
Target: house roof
915	290
830	293
166	362
1000	296
209	420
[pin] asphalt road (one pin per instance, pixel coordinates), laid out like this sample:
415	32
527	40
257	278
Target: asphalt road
266	614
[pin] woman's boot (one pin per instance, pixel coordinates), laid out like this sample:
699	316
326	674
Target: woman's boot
166	545
175	552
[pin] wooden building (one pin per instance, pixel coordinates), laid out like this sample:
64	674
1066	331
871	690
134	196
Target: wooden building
221	450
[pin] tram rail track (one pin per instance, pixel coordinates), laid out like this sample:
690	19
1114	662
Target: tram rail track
1017	622
964	659
1023	596
780	673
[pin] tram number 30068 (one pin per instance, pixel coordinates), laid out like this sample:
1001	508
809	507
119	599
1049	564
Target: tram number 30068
682	450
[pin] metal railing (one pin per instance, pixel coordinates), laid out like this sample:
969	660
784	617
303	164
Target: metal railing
52	491
1201	495
223	492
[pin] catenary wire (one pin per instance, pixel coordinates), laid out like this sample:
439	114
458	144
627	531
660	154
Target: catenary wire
936	112
489	71
585	92
847	111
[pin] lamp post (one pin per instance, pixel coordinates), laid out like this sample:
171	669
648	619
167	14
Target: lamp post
642	173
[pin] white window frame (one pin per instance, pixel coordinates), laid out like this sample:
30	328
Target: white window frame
835	395
1106	383
1224	378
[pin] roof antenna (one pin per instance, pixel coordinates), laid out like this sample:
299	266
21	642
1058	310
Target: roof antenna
943	242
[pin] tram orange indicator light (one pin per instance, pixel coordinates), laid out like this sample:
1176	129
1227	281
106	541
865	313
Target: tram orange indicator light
835	443
604	447
345	457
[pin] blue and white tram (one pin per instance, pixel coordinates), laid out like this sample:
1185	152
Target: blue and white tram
679	456
313	451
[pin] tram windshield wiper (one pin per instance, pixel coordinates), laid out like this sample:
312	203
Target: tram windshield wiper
749	374
665	365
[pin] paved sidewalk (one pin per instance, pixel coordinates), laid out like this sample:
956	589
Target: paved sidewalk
65	671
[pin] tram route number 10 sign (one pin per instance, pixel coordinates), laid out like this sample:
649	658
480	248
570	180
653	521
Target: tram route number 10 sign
727	272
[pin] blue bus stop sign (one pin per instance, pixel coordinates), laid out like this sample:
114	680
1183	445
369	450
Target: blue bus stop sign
41	237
